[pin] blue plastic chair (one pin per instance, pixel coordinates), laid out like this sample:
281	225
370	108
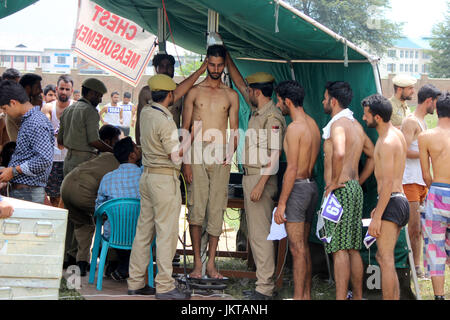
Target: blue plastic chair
123	214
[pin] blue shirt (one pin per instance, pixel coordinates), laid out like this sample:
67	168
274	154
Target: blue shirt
34	149
120	183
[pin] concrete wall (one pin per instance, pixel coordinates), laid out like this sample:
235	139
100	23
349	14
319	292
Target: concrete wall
388	86
112	83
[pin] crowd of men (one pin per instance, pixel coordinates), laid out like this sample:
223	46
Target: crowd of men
193	129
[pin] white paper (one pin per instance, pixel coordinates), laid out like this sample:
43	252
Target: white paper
277	231
366	222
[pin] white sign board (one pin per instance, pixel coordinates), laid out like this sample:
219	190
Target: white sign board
112	43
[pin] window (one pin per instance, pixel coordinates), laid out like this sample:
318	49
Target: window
61	60
416	68
425	55
425	68
411	54
19	59
417	54
406	54
75	62
45	59
411	67
401	54
391	67
32	59
392	53
6	58
401	67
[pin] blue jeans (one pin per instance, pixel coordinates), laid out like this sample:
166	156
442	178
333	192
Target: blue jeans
33	194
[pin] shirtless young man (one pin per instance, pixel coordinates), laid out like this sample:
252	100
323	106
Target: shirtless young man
392	210
53	111
213	104
413	183
299	195
345	140
435	144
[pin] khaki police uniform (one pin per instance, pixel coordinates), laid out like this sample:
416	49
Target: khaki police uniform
79	192
265	133
400	109
160	195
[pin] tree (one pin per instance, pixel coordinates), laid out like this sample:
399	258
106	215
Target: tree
440	42
360	21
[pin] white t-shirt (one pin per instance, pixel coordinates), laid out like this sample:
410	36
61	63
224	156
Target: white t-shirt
127	113
112	115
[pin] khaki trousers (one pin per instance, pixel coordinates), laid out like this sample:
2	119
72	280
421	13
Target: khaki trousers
160	212
74	158
259	220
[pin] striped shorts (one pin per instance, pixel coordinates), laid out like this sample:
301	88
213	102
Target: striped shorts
436	229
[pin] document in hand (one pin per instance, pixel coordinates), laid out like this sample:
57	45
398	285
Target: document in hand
277	231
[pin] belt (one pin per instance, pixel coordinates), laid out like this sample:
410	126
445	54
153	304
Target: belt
165	171
19	186
397	194
79	151
248	171
308	180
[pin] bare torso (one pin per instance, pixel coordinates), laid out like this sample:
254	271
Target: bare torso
438	145
212	106
309	145
395	139
354	144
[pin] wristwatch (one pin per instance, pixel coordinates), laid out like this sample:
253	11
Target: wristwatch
15	172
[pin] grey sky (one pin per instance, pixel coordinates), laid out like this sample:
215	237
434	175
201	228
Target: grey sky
50	23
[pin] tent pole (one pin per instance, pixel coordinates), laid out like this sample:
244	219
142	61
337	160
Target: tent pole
376	76
292	70
161	31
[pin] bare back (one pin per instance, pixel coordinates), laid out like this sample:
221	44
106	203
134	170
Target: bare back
390	158
308	145
350	136
437	146
213	106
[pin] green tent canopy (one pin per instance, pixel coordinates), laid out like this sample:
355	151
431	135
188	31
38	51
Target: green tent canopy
270	36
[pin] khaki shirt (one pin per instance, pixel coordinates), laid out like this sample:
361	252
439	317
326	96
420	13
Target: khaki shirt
78	126
159	137
176	109
266	129
399	111
91	172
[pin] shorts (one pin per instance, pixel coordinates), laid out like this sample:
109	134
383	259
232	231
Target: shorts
302	201
436	229
397	210
347	234
415	192
53	188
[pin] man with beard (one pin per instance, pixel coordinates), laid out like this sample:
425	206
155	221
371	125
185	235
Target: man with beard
345	140
53	112
403	90
207	173
392	210
32	84
79	124
299	195
413	183
262	150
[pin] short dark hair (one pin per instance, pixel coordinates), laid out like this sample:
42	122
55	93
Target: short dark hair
49	87
158	96
11	90
341	91
162	56
29	79
378	105
427	91
66	78
265	87
108	132
11	74
293	90
122	149
127	95
114	93
216	50
443	105
7	152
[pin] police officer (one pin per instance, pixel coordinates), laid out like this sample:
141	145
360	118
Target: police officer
262	148
403	90
160	194
79	125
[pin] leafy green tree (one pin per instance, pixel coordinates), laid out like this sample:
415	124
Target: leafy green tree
440	63
192	63
360	21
